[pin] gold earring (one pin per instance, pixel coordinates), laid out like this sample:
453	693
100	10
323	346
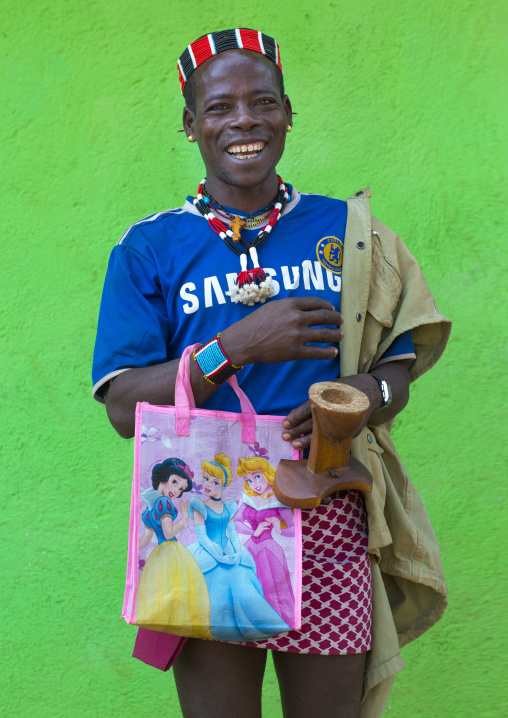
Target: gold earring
289	128
190	138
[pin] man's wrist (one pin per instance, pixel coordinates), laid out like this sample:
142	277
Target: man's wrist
213	362
368	385
236	351
374	395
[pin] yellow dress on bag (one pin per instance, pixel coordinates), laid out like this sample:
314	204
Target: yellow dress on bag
172	594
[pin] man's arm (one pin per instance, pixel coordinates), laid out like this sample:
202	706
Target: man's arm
279	331
297	427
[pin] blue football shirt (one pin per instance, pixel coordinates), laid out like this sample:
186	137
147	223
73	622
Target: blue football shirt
166	287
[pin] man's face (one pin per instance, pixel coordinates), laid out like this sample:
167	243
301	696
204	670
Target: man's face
240	120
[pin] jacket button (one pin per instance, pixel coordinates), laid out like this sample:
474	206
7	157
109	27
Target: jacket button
358	317
360	245
358	194
369	438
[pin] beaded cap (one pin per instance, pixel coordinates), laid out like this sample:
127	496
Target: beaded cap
238	39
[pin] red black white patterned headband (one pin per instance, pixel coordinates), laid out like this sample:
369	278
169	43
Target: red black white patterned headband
239	39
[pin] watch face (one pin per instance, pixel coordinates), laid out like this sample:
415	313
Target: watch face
385	390
387	394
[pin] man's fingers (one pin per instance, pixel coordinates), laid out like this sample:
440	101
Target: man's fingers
317	352
321	316
309	304
301	413
303	442
295	432
324	335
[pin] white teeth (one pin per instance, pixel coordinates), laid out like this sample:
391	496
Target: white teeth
246	157
254	147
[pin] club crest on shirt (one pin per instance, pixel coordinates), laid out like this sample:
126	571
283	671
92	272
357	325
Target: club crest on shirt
329	253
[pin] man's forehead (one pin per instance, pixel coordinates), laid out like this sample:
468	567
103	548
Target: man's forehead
237	66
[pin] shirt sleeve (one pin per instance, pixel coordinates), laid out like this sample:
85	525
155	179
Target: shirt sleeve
133	327
401	348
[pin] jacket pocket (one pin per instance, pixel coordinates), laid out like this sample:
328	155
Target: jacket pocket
384	293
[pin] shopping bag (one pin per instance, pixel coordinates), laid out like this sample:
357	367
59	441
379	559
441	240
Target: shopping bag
212	553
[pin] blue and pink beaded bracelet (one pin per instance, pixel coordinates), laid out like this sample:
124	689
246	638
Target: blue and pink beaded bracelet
213	362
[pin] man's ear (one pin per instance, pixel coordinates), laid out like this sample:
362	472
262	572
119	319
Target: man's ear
188	121
286	103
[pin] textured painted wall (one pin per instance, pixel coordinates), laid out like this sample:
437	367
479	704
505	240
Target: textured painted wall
407	97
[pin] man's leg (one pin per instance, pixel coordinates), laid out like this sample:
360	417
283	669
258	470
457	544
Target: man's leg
219	680
315	685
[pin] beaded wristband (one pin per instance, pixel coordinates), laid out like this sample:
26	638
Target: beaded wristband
213	362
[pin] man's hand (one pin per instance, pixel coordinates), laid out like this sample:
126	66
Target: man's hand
280	331
275	332
297	426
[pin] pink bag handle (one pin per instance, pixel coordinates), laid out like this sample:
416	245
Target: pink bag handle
184	401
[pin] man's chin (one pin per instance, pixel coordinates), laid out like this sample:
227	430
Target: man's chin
249	176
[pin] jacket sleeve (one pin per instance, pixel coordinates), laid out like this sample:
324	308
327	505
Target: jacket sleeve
400	300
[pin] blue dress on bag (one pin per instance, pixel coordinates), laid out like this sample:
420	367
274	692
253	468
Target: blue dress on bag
238	609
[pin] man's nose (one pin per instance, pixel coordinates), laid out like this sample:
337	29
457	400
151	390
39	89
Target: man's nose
244	117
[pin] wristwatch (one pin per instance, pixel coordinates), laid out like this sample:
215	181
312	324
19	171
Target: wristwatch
386	392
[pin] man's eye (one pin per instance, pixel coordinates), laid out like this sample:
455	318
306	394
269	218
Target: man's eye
265	101
218	107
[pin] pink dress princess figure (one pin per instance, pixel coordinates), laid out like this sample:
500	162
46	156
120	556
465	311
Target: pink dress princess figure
264	516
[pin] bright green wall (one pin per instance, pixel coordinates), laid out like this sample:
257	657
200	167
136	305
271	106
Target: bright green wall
409	97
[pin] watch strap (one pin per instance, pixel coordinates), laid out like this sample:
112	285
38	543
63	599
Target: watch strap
386	391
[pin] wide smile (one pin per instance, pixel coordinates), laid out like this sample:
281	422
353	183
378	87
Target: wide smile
246	151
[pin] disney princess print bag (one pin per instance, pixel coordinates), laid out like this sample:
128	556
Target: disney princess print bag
212	553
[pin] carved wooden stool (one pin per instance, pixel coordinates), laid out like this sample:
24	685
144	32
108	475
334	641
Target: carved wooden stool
337	412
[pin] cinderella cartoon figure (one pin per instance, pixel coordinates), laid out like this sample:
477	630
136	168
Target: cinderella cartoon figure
238	609
262	515
170	575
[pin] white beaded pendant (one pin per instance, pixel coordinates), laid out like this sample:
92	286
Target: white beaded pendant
251	285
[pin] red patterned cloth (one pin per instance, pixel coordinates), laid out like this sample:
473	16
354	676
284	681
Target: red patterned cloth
336	595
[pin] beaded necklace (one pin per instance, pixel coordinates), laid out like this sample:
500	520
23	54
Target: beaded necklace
249	222
251	285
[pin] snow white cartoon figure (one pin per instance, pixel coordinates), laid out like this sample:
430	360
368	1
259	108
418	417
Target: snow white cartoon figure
170	574
238	609
264	516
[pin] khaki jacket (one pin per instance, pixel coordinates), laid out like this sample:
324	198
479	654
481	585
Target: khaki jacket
385	294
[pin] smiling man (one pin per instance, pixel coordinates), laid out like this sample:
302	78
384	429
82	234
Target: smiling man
286	279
